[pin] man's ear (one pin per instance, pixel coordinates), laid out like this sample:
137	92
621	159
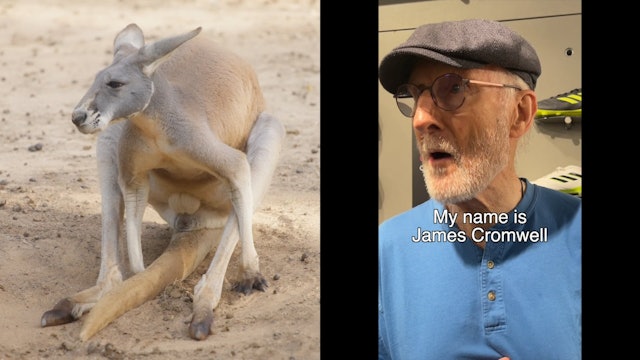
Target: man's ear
526	108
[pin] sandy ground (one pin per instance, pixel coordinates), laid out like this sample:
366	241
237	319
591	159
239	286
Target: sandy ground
50	51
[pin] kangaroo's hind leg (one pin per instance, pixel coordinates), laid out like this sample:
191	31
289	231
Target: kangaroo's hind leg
263	153
111	267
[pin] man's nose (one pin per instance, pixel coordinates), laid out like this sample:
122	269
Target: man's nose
424	116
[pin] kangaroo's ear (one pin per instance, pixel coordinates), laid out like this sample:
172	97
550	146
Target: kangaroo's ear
128	40
154	54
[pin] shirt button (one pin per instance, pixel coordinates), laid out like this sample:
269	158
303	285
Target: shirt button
491	295
490	264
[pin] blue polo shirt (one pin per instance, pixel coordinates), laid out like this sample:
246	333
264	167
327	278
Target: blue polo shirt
442	297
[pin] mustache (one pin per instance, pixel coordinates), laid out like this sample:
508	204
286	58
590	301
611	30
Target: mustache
436	144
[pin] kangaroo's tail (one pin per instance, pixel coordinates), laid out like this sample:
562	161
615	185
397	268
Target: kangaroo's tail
183	255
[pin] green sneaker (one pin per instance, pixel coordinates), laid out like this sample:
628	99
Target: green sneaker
566	179
567	104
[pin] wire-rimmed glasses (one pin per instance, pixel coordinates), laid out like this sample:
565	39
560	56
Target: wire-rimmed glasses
447	92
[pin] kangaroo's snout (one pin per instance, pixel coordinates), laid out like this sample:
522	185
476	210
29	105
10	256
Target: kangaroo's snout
78	117
86	121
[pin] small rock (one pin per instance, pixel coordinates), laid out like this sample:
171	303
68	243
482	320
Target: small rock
66	346
35	147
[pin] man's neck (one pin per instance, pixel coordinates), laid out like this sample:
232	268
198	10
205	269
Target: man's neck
501	196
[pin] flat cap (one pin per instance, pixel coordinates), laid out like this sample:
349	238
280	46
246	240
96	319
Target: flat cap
470	43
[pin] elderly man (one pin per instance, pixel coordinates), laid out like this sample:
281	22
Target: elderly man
490	266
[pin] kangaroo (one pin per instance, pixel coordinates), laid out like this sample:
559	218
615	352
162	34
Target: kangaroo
182	127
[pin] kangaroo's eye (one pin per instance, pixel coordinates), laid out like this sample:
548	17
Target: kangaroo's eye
114	84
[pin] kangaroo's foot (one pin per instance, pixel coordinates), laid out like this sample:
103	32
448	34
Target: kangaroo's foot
251	282
72	308
206	296
201	324
60	314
